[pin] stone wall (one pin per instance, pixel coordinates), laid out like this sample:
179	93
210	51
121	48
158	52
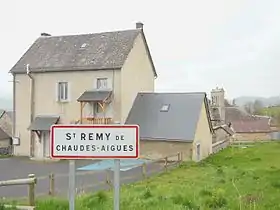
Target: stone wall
252	136
161	149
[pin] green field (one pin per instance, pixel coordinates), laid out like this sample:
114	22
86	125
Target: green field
270	111
236	178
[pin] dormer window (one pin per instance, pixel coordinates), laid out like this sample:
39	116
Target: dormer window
165	108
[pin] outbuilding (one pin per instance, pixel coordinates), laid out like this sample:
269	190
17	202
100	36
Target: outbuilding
172	123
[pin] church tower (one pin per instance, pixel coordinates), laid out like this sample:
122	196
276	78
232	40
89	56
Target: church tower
218	101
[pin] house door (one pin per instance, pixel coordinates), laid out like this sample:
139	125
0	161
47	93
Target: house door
198	152
46	141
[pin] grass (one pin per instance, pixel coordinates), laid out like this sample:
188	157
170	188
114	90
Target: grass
5	156
270	111
235	178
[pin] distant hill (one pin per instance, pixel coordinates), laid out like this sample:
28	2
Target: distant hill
270	101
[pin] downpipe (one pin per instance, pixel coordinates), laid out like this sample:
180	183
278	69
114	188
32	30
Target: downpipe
32	137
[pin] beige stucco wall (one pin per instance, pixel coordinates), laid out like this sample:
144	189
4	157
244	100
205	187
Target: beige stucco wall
203	135
137	76
161	149
46	103
251	136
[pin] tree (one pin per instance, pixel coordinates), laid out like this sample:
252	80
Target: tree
257	106
249	107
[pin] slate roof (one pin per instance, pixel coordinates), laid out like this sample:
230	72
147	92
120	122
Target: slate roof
94	95
97	51
235	114
3	135
243	122
251	126
43	122
178	123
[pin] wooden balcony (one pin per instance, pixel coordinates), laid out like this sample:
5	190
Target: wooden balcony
97	120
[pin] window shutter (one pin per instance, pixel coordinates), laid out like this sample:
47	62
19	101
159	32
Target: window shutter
57	92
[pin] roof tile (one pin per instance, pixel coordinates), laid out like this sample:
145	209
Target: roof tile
78	52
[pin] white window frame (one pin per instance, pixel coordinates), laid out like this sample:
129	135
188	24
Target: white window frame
63	91
102	83
165	108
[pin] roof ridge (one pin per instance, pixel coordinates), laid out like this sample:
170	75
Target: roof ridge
85	34
172	93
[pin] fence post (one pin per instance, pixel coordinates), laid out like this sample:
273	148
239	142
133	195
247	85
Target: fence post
31	191
144	170
165	163
51	184
178	158
181	156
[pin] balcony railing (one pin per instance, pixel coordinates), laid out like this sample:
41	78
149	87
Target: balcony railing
97	120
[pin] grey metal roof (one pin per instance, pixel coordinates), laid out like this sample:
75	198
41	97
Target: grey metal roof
94	95
178	123
3	135
97	51
43	123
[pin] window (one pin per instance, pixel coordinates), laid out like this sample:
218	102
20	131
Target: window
63	93
165	108
101	83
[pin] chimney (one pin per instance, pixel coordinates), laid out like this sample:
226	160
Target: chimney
139	25
45	34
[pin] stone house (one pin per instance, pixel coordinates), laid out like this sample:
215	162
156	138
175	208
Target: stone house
243	125
88	78
172	123
251	130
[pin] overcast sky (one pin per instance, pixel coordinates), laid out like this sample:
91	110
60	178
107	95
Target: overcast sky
196	45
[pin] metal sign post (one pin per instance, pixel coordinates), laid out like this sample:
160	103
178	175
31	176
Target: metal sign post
72	184
117	184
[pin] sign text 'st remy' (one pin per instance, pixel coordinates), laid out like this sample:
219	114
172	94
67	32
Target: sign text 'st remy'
94	142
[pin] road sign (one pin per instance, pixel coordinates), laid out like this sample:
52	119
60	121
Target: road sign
94	141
